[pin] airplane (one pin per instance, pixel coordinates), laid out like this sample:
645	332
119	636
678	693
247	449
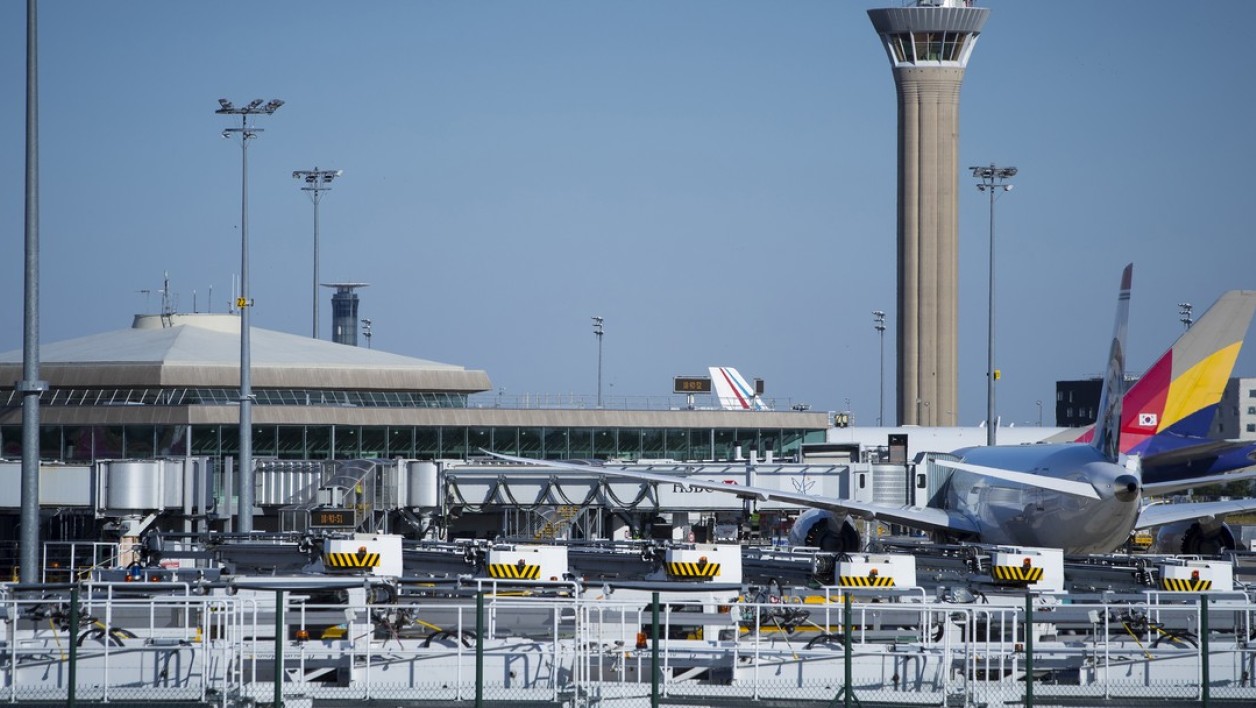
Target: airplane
732	391
1077	496
1166	414
1169	411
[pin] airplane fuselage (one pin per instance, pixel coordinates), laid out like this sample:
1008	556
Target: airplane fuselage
1012	513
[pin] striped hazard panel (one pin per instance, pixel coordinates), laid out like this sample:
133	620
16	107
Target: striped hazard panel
351	560
865	581
516	571
1016	574
701	570
1185	584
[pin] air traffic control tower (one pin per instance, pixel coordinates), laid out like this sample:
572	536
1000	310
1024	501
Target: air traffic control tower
928	44
344	312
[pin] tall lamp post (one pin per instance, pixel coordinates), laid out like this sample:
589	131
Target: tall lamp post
316	182
992	181
598	331
879	325
246	133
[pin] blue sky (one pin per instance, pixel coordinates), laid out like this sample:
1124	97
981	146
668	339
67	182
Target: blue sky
715	178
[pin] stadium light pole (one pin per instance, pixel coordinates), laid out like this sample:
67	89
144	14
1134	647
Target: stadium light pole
246	133
598	331
1185	309
31	387
879	325
993	179
316	182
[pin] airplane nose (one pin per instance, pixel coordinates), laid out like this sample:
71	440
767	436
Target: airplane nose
1125	488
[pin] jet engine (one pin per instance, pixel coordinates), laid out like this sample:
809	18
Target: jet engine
825	530
1203	537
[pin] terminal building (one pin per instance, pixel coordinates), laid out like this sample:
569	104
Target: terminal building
169	387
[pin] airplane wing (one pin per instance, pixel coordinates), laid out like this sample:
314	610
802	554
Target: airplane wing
925	518
1180	485
1160	514
1204	449
1193	465
1067	486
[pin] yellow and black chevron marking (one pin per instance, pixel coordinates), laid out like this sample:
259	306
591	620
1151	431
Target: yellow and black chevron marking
351	560
865	581
1016	574
516	571
686	569
1185	585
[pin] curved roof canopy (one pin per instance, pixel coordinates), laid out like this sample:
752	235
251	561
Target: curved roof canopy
203	350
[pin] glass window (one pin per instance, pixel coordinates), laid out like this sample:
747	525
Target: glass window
374	441
1251	427
652	443
748	440
427	443
290	442
400	442
556	447
677	445
581	442
50	443
78	442
264	441
530	442
477	439
700	444
629	444
605	445
205	440
506	441
318	442
347	440
172	440
1251	410
724	440
899	47
138	441
453	441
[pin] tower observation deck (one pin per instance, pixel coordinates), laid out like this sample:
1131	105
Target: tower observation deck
928	45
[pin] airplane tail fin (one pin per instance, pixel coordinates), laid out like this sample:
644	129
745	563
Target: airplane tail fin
733	392
1107	435
1178	396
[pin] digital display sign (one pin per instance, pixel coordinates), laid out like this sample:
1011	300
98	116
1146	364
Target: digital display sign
691	384
332	519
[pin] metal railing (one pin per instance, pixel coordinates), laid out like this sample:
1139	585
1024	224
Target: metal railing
354	639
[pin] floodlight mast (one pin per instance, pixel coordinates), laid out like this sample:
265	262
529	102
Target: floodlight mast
246	133
31	386
993	179
316	182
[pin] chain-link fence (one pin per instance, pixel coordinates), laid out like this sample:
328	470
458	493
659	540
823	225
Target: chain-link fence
340	641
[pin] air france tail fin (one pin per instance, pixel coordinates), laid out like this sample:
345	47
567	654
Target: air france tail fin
1177	398
733	392
1108	425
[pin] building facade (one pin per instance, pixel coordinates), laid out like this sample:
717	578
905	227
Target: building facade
169	387
1236	415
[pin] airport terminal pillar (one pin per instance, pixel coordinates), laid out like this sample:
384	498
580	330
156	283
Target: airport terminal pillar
928	46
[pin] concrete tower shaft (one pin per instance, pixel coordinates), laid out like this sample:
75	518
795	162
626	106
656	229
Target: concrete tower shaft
928	46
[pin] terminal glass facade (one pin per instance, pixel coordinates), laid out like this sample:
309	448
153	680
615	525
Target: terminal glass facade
88	443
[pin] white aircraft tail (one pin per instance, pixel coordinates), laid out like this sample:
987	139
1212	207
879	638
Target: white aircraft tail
732	391
1108	426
